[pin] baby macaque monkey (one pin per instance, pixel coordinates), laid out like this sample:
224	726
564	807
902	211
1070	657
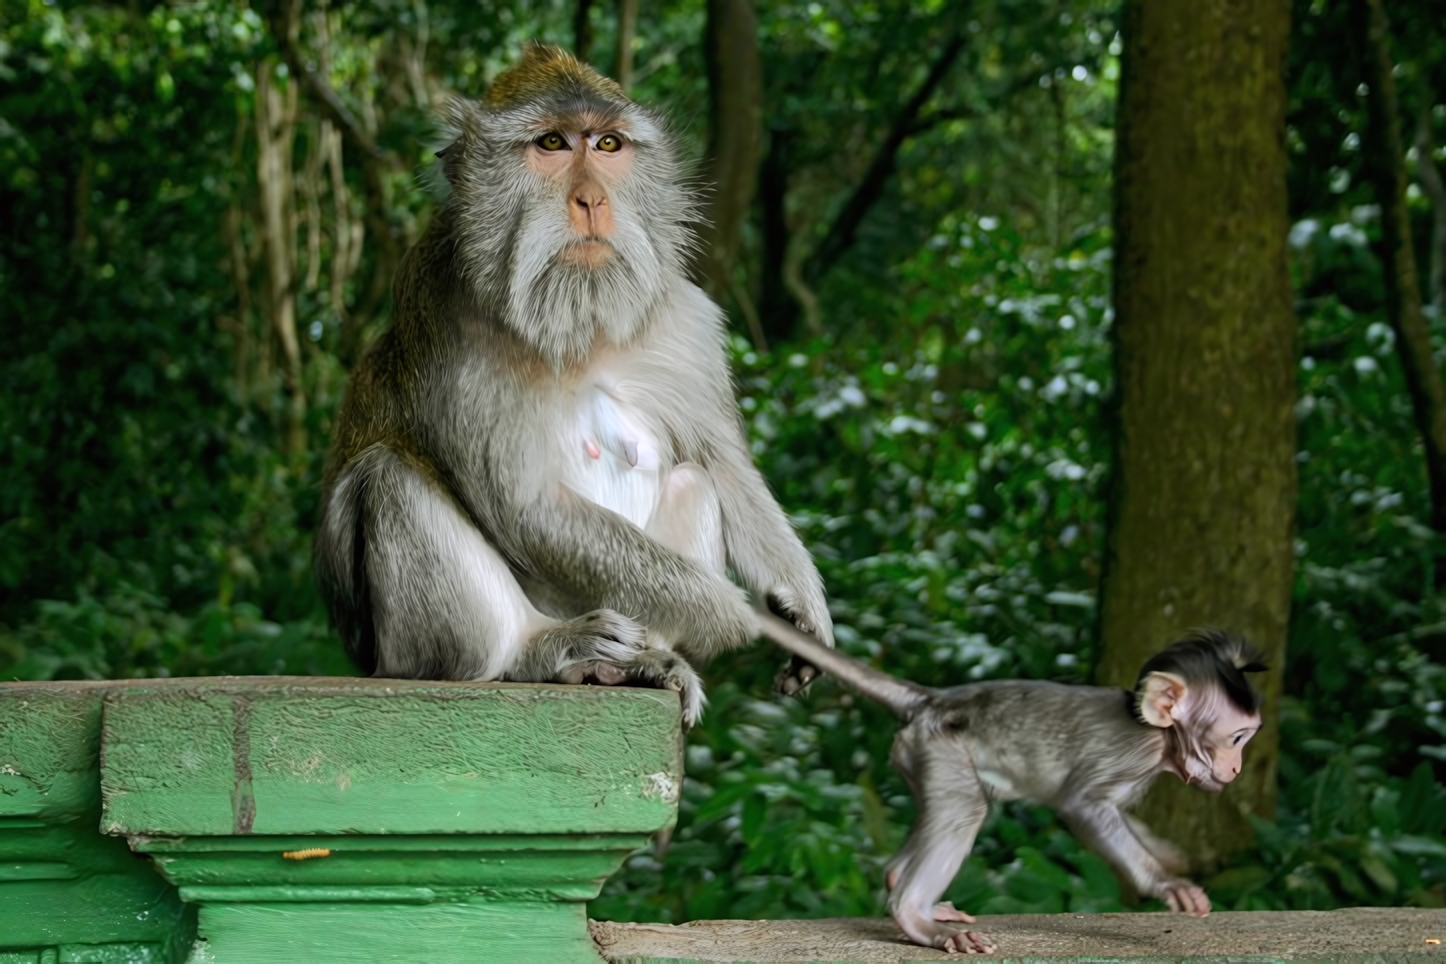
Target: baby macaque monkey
1088	751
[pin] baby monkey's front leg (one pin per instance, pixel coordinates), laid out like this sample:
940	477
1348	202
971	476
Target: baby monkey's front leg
1106	828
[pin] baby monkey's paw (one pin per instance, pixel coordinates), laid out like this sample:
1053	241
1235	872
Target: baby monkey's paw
946	911
1185	897
969	942
934	932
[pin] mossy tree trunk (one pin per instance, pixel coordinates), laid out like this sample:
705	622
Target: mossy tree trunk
1202	497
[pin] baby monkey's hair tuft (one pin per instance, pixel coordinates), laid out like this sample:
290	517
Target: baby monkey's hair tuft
1210	656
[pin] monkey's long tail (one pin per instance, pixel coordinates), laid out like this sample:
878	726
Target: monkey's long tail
900	696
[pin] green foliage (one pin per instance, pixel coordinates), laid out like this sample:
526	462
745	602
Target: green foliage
942	449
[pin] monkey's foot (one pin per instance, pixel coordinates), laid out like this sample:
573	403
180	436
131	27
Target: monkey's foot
608	648
933	931
946	911
1186	898
667	670
968	942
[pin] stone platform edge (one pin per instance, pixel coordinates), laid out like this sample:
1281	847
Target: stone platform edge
1354	936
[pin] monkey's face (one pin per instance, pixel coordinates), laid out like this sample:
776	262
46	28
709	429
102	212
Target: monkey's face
570	217
588	165
1222	744
1210	730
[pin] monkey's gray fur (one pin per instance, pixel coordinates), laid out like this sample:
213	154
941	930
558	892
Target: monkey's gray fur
1082	750
538	472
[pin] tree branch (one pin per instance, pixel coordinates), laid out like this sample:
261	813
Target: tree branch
1433	187
286	27
845	226
1382	152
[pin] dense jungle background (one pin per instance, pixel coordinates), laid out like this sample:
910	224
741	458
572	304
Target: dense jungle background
914	232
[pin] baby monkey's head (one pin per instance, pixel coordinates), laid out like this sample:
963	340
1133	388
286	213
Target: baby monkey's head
1197	686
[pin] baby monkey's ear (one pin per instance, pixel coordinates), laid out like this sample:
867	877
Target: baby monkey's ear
1160	696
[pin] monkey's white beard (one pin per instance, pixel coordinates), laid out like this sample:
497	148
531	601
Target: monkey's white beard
561	307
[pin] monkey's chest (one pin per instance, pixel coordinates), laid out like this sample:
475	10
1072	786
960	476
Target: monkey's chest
613	455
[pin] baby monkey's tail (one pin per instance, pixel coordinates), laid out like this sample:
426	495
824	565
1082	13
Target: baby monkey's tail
898	695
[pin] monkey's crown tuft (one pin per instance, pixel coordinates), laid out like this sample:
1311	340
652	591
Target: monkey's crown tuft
544	71
1211	656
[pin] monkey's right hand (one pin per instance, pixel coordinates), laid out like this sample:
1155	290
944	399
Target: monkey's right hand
1185	897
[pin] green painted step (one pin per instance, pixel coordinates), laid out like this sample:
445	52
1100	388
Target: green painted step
68	893
281	819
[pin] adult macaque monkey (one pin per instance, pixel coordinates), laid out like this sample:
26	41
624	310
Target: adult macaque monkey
1090	752
538	473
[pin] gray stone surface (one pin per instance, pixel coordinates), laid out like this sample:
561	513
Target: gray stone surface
1359	936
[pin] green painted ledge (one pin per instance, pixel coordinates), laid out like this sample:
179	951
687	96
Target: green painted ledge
285	819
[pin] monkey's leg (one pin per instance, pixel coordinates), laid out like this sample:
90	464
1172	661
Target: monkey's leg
445	603
1104	827
593	648
952	807
425	584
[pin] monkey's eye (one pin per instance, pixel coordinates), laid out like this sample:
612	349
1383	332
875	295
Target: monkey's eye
610	143
552	141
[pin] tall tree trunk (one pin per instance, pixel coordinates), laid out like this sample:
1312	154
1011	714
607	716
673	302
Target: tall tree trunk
582	30
627	30
275	132
1202	498
735	87
1384	159
778	309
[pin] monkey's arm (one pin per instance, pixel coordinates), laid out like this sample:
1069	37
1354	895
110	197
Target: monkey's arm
602	560
1104	827
762	546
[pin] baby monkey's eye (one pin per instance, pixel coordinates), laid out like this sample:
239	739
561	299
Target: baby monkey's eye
551	141
609	143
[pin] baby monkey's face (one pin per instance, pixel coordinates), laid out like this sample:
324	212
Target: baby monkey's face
1224	740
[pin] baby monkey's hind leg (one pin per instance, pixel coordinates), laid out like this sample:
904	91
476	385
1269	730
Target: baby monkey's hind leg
952	807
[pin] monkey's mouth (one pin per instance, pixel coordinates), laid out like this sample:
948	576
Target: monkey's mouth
589	252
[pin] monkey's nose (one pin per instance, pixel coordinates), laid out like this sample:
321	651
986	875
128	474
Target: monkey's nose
591	213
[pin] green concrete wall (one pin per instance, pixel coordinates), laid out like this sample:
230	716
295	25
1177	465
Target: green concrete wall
240	820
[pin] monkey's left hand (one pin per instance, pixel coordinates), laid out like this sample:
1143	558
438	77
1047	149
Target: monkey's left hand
795	674
810	616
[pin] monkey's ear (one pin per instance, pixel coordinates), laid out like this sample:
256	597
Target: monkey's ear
457	118
1160	696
